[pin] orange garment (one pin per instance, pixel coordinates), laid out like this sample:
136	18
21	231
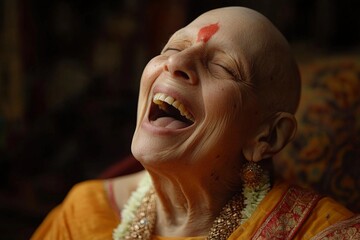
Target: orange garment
325	213
86	213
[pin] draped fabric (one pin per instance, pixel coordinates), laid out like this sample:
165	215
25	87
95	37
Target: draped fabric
287	212
325	153
85	213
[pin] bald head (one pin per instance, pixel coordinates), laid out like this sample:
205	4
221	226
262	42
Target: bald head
232	77
269	66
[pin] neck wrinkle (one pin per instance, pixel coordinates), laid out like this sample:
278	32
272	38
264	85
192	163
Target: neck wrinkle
187	208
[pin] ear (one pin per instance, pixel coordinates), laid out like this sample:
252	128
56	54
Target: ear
272	137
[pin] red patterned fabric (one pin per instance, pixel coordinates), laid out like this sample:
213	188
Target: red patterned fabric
288	216
344	230
325	154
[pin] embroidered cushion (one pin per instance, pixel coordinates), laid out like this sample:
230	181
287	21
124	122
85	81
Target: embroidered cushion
326	151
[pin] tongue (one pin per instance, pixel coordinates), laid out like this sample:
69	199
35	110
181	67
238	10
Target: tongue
169	122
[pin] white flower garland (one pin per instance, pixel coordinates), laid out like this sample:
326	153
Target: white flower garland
253	197
128	212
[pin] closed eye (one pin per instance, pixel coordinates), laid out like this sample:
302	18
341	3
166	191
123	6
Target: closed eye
170	50
224	69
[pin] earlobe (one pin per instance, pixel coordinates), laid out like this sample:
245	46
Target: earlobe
273	137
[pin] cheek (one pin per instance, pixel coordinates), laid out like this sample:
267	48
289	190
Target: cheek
223	104
229	113
151	71
222	112
149	75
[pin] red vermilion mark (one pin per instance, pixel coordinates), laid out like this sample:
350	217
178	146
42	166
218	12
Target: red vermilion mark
205	33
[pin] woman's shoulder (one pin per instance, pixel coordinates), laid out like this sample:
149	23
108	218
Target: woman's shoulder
320	216
317	214
291	210
102	194
345	229
87	197
85	210
118	190
332	220
86	188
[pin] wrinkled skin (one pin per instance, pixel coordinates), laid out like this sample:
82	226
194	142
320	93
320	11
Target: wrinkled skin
241	86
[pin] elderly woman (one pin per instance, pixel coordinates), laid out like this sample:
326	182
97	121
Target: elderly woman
214	107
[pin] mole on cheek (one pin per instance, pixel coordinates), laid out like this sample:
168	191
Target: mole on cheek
205	33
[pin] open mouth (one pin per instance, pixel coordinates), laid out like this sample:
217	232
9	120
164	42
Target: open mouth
168	112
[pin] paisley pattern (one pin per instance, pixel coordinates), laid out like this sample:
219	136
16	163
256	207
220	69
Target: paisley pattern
344	230
326	151
288	215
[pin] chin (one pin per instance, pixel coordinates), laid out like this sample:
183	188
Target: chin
147	148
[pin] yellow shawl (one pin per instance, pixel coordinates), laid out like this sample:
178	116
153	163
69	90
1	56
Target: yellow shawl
287	212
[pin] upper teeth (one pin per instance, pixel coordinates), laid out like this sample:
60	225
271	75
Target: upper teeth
160	98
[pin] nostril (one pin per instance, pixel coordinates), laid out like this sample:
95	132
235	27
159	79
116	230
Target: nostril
181	74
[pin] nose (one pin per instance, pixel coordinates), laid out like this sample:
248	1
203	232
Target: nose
182	66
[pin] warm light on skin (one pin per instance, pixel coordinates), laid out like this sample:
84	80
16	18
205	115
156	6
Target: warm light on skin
223	74
205	33
219	72
222	105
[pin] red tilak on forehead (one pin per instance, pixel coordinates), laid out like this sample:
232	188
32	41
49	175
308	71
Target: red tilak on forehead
205	33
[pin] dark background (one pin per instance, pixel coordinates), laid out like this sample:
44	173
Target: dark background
69	74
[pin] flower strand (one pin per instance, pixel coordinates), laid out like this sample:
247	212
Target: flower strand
128	212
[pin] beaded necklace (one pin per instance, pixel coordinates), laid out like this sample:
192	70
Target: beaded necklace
139	214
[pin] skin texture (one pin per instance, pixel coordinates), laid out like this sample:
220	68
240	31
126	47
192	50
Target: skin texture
207	32
241	85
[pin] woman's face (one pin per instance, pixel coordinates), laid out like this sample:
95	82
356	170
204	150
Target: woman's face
196	103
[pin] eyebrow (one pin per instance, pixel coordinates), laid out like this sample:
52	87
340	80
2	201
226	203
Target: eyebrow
184	39
182	34
179	38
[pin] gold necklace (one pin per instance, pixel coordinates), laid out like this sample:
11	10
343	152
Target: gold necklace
138	217
229	219
144	220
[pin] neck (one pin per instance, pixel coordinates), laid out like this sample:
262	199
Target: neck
147	208
187	205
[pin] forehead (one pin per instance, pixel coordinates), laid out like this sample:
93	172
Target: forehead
238	28
223	24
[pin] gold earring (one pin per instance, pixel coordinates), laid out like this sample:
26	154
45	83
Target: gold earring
252	175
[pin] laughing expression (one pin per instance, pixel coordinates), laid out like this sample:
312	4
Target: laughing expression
196	100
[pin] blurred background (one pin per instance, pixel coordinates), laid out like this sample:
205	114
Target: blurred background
69	76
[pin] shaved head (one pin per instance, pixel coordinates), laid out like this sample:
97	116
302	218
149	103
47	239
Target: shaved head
270	67
231	76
